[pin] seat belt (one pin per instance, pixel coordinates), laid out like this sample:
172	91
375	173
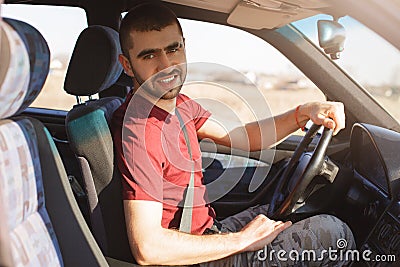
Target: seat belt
186	219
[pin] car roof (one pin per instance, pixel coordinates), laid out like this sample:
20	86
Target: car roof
380	16
275	13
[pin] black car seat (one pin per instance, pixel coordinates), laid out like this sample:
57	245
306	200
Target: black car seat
93	68
40	222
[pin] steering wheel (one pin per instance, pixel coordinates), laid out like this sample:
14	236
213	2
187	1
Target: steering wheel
299	173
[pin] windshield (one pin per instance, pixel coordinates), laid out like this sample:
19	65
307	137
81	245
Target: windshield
367	58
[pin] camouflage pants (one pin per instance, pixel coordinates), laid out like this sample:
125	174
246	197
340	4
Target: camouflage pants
305	243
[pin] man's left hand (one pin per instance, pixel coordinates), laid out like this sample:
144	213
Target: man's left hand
328	114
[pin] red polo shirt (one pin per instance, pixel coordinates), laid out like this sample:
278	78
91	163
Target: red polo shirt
154	161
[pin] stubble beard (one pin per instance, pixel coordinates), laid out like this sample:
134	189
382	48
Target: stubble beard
150	86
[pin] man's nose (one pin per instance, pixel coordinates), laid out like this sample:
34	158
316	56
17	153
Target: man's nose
164	62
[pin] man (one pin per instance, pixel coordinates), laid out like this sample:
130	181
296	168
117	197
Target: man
157	160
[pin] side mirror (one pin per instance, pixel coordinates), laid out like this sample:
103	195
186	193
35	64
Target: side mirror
331	36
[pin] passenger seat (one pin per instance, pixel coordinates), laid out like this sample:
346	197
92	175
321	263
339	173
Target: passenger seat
40	222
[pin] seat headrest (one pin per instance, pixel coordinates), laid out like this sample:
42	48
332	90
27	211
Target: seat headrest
25	61
94	64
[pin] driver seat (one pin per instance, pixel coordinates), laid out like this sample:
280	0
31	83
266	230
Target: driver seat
92	70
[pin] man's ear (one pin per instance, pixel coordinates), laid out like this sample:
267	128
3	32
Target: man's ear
126	65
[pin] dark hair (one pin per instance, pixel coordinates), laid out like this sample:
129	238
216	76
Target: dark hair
144	18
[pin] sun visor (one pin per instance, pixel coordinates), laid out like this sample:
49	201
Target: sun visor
270	14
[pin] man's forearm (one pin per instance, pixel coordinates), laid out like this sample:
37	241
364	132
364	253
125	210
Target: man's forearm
176	248
256	135
151	244
261	133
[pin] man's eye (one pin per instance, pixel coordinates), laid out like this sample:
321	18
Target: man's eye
149	56
173	50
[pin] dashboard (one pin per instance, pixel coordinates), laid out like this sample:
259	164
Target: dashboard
374	192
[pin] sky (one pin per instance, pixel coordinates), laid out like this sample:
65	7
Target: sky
369	59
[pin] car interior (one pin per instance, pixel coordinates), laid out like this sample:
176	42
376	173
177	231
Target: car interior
60	201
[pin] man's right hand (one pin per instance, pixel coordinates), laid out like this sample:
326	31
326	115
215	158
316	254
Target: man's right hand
261	231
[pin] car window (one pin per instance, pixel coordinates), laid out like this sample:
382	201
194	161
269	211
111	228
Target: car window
248	77
61	35
368	58
242	76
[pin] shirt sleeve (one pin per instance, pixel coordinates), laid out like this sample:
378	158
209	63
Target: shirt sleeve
145	160
199	114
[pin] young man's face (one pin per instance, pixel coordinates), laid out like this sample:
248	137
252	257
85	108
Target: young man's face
158	60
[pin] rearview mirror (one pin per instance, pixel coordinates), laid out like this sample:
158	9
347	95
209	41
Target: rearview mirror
331	36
